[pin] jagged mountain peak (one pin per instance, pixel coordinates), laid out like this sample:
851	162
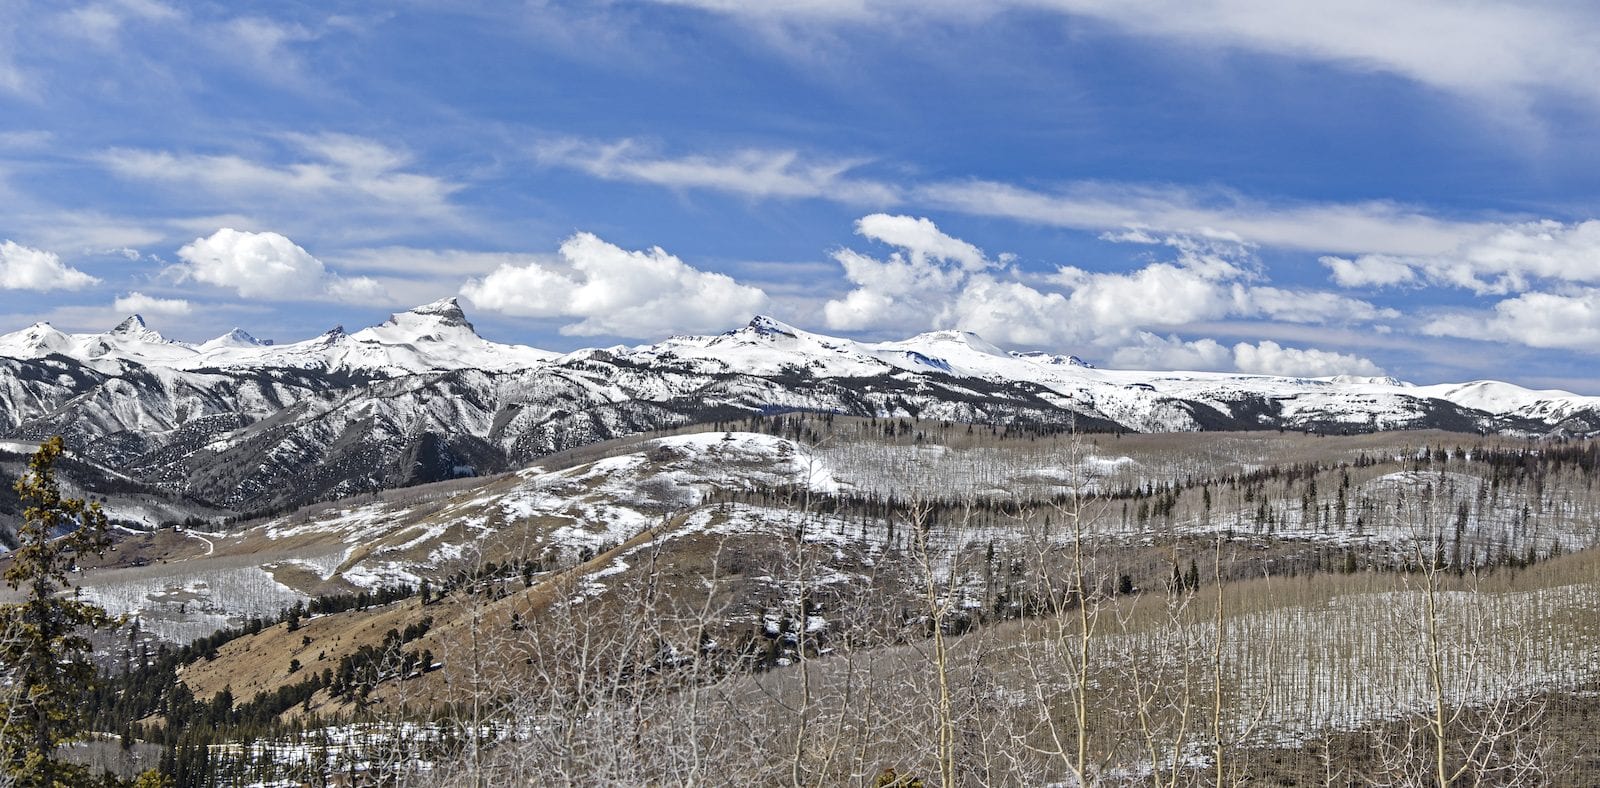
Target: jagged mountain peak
132	325
444	313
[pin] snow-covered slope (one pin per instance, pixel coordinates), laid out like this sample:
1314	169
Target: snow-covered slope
430	338
1142	400
245	424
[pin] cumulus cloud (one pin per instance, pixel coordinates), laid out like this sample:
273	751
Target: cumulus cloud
1543	320
752	173
1270	358
616	292
932	280
1149	351
1159	294
26	268
268	265
921	239
142	304
1501	259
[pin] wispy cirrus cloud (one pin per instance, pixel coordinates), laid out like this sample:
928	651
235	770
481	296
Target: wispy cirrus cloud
102	22
334	167
1364	244
1307	226
1373	227
1499	52
753	173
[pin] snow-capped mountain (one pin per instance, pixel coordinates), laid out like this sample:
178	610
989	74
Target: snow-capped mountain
429	338
247	424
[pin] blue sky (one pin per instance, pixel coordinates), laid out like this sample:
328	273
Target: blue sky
1284	187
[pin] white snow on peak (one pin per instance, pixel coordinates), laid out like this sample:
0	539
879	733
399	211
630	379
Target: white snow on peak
130	341
134	329
1055	359
431	337
958	341
1494	396
438	337
1367	380
35	341
1138	398
764	325
236	338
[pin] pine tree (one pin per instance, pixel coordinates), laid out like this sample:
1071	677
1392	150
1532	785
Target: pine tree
44	654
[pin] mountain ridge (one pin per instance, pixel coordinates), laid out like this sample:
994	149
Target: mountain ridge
245	425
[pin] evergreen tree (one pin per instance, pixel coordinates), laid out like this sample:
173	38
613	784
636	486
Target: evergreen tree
44	654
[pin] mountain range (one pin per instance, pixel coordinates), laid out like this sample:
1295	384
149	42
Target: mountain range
248	426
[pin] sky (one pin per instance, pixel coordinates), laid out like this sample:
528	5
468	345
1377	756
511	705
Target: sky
1264	186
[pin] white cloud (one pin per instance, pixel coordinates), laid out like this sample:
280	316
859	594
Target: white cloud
1159	294
268	265
26	268
1501	259
1369	271
1543	320
140	303
349	172
1270	358
1307	306
752	173
1493	51
14	80
616	292
412	261
82	231
934	281
103	22
1363	244
1149	351
1350	228
921	239
1131	210
915	287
